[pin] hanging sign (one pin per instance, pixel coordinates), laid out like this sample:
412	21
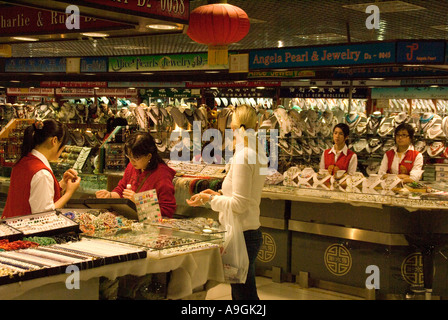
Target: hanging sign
239	63
20	20
282	74
145	84
73	65
94	64
109	92
75	92
387	72
241	92
177	62
338	55
410	93
322	93
35	65
174	10
421	52
30	91
233	84
73	84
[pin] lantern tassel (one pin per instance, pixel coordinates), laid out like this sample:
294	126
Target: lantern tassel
218	55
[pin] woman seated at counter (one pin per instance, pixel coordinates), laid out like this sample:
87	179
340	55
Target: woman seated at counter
145	171
340	157
402	159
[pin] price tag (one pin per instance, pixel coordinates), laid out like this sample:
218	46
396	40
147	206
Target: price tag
148	207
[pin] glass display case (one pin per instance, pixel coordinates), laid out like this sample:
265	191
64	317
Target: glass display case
169	237
115	158
161	242
11	138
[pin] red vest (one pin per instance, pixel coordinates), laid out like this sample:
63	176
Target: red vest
17	202
343	160
407	162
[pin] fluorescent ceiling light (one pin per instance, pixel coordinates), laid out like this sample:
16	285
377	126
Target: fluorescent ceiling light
25	39
386	6
322	36
162	27
253	20
442	27
95	34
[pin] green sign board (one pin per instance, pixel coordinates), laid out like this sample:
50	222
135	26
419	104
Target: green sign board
178	62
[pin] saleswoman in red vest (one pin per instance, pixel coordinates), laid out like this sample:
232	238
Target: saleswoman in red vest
340	157
145	171
33	187
402	159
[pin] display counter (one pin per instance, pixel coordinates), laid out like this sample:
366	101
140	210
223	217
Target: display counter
337	237
112	253
331	239
188	272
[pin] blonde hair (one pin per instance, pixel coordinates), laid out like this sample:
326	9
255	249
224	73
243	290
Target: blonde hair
244	118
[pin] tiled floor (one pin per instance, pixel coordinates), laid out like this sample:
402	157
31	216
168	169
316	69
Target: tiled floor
269	290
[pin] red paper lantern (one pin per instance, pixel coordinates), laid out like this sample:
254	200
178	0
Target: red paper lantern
218	25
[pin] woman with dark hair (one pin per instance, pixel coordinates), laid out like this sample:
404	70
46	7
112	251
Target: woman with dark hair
146	171
33	187
340	157
402	159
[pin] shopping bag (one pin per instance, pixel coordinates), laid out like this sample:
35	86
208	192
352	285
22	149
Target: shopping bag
234	254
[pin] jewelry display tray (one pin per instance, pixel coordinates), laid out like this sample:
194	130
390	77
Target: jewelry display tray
92	258
37	228
8	232
156	238
126	207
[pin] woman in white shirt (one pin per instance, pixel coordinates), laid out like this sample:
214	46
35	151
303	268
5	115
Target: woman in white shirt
241	192
340	157
402	159
33	187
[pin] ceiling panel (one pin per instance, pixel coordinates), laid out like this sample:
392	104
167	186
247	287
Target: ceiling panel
293	22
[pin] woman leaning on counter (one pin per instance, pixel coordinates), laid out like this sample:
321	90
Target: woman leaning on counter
146	171
33	187
402	159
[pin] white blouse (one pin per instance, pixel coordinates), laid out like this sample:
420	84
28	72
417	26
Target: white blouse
352	165
42	187
416	172
242	188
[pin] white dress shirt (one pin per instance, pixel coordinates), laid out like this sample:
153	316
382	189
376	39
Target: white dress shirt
42	187
416	172
352	165
242	188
